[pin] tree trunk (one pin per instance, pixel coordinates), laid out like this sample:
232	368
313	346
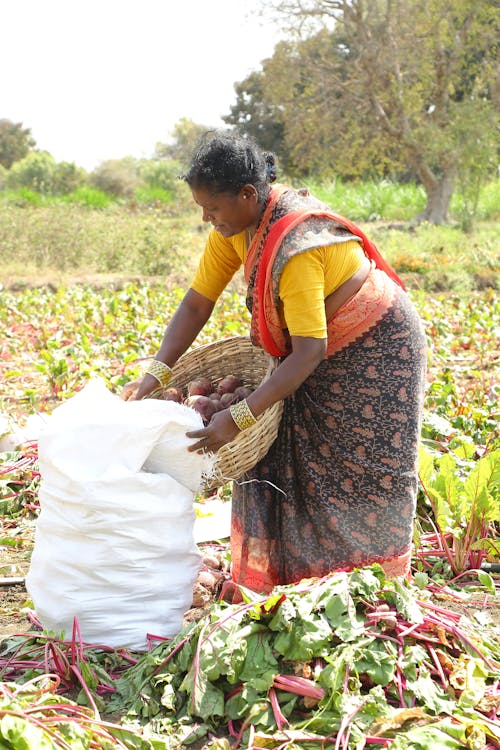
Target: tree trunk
439	191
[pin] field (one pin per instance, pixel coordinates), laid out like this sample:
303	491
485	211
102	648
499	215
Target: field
87	293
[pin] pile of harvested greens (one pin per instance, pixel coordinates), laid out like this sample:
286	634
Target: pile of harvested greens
349	661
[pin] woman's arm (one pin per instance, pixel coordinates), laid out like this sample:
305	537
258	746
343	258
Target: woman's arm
306	355
187	322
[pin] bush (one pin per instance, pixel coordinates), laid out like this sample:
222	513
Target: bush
117	176
68	178
35	172
159	173
153	196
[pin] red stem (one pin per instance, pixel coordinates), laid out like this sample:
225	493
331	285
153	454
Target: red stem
281	720
438	666
86	690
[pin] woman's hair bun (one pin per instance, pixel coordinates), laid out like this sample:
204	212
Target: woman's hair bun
270	160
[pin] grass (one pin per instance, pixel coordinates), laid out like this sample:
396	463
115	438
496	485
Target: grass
88	234
377	200
60	241
440	258
372	201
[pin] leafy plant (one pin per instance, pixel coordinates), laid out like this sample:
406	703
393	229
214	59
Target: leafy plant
464	497
34	716
347	660
19	481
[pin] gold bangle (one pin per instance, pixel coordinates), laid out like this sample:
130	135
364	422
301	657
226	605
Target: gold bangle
160	371
242	414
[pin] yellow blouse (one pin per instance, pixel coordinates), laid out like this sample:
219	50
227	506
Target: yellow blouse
305	281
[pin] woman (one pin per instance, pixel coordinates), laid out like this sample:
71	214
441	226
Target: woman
337	489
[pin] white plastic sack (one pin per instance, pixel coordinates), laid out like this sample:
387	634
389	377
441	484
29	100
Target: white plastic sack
114	543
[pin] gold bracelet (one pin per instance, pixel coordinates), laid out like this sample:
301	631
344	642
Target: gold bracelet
242	414
160	371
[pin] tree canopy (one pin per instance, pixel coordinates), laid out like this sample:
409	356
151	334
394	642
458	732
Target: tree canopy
15	142
184	139
382	86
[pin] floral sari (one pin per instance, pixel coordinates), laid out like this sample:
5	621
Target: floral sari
337	489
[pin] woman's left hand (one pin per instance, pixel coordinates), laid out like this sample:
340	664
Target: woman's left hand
220	430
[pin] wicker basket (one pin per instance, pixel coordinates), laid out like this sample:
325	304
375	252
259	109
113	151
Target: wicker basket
252	365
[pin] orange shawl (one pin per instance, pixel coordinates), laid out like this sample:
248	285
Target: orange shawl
271	242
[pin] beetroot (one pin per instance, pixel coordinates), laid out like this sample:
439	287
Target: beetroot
191	400
204	405
199	387
208	398
228	384
173	394
227	399
242	392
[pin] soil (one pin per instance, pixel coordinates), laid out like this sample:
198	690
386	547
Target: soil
15	551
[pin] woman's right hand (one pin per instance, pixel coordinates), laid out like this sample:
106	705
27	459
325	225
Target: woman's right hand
139	389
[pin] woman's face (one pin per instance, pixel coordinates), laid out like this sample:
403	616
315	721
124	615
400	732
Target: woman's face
229	214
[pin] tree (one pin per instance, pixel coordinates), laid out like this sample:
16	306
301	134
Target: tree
185	137
320	135
40	172
15	142
405	82
258	117
160	173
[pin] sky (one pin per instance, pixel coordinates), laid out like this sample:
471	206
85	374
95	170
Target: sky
102	79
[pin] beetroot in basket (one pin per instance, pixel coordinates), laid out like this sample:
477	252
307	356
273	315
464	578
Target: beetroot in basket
209	397
234	355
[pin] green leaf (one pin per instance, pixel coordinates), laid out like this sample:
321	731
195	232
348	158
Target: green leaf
444	734
487	581
260	661
404	599
308	638
437	424
248	702
303	630
482	485
429	694
224	650
413	656
207	700
23	735
378	661
332	677
367	582
466	449
168	696
344	620
421	580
